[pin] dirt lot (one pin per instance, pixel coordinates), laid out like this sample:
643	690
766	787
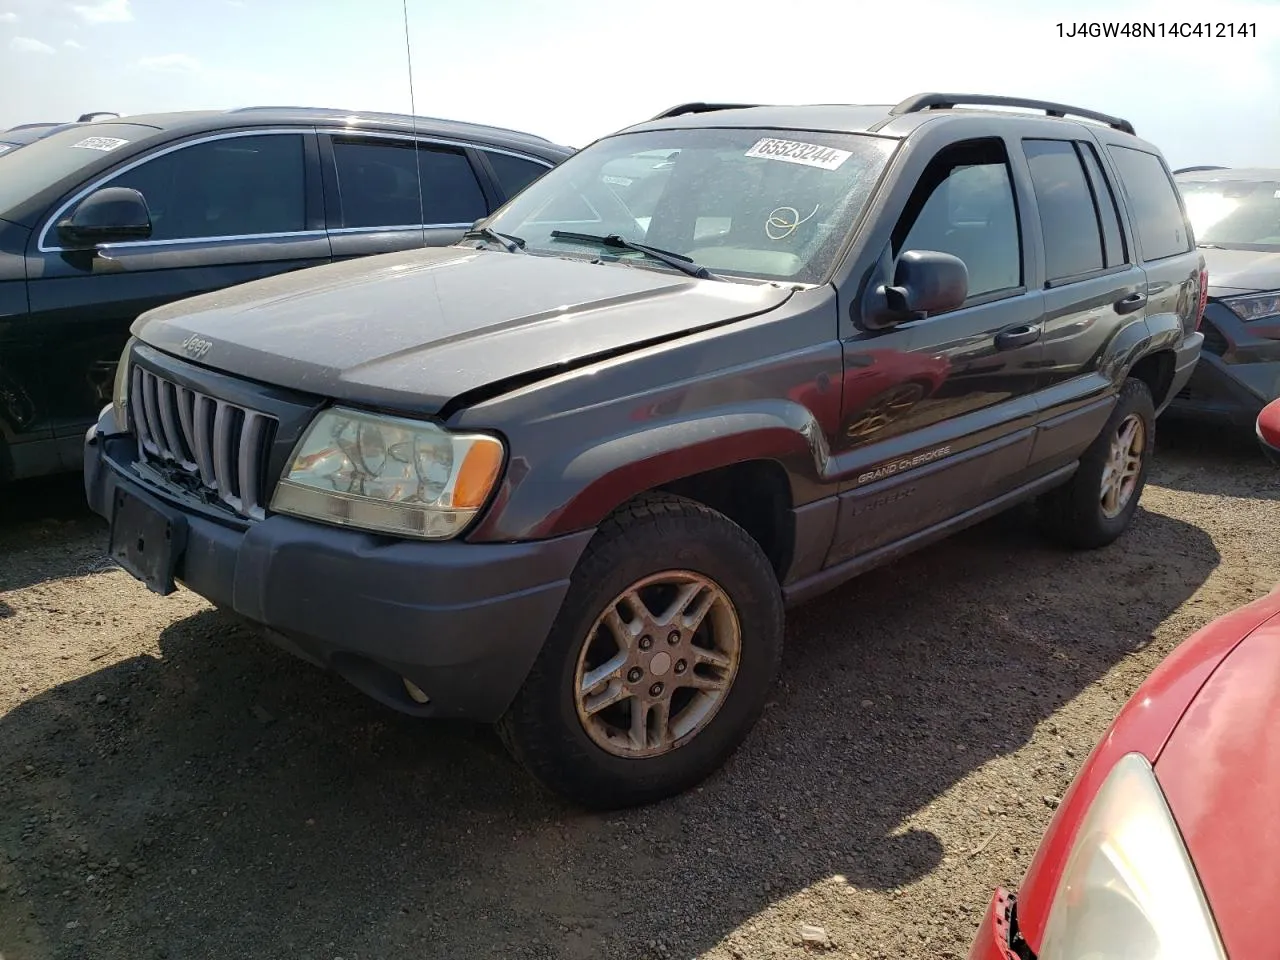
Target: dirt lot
171	786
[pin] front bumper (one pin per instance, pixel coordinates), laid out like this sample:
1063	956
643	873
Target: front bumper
995	935
462	621
1232	393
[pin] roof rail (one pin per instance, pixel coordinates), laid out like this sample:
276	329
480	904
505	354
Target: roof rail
684	108
96	115
1198	169
945	101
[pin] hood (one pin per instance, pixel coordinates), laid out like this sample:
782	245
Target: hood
1241	271
1220	772
413	330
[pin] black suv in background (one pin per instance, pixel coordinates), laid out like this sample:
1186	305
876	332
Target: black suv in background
566	476
101	222
1236	217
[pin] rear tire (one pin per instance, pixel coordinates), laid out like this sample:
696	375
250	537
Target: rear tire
612	656
1098	503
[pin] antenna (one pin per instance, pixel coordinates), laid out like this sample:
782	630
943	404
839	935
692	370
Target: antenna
413	109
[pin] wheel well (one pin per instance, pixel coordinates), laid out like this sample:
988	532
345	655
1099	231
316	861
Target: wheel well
1156	371
754	494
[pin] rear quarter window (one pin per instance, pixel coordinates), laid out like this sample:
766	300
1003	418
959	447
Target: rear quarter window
1153	202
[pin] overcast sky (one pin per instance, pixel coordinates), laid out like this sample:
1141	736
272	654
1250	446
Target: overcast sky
573	70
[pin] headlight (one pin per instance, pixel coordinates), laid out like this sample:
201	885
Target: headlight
1254	306
1129	889
409	478
120	390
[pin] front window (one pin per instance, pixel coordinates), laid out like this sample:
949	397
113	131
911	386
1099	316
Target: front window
763	204
1235	214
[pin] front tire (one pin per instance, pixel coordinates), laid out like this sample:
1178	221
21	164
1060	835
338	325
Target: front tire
659	663
1098	503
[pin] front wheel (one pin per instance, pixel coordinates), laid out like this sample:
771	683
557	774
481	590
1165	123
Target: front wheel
1097	504
659	663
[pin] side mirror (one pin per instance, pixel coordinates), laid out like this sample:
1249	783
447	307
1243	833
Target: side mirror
924	282
109	215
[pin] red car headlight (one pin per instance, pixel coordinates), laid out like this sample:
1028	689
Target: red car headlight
1129	889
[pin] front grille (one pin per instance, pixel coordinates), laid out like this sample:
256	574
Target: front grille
222	445
1214	341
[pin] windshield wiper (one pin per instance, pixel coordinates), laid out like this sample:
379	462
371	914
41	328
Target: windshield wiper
507	241
676	260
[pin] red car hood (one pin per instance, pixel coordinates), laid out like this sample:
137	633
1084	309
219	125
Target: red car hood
1220	772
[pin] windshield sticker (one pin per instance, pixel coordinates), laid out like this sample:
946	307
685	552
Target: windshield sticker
783	221
618	181
105	144
793	151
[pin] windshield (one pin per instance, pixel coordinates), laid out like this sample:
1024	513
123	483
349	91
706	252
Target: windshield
45	161
762	204
1235	214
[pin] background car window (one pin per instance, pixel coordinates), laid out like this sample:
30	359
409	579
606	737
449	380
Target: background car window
964	206
378	184
514	173
1068	219
1236	214
1162	228
239	186
1113	249
450	191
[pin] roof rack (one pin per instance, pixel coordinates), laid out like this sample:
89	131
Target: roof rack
684	108
1197	169
945	101
96	115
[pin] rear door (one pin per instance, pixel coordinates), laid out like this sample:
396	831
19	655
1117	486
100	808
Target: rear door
225	209
1094	289
938	412
386	192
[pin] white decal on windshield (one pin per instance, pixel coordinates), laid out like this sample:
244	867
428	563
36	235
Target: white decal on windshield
618	181
105	144
783	221
793	151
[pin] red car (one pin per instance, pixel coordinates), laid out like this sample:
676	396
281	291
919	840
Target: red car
1167	845
1269	430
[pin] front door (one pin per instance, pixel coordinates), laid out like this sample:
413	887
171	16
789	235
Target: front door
225	210
938	412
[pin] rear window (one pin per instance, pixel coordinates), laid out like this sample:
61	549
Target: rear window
1153	201
514	173
1072	241
42	163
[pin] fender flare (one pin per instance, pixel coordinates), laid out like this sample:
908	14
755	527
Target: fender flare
579	490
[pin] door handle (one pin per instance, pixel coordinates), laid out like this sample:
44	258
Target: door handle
1017	337
1134	301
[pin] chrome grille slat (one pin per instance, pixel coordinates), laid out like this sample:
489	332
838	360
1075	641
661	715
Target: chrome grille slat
167	400
204	450
248	465
172	426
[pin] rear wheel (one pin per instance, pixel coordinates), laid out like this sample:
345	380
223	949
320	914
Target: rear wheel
659	663
1099	501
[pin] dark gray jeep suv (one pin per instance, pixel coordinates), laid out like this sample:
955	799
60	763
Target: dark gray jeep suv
566	474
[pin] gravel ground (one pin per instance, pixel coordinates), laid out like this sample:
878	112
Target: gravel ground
171	786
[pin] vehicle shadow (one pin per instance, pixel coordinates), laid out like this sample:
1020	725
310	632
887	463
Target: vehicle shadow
43	519
1213	460
225	799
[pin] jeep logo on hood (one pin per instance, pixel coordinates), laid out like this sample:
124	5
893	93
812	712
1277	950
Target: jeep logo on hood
197	346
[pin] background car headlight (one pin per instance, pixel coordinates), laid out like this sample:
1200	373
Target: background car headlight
1254	306
1129	889
409	478
120	389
